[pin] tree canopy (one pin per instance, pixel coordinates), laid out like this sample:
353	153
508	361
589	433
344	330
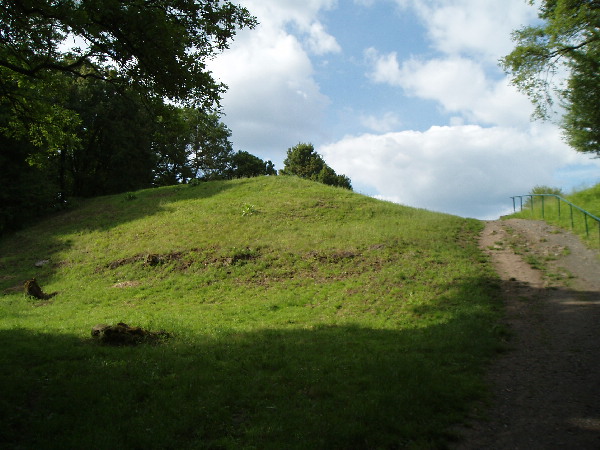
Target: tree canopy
246	165
156	49
304	162
116	143
159	46
88	92
567	41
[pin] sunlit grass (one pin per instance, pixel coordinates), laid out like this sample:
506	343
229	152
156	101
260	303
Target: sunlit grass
318	318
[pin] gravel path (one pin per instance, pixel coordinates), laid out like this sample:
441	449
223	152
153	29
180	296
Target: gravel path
546	388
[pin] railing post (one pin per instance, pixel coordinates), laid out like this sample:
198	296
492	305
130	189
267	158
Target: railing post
572	223
531	201
587	230
543	206
558	202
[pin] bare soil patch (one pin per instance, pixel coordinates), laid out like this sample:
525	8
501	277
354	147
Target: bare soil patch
546	387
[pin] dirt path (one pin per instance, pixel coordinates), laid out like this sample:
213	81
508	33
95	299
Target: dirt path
546	388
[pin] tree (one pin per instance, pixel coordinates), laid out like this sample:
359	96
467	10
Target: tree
29	179
567	41
26	191
190	143
158	46
209	148
170	146
582	119
83	86
304	162
246	165
114	140
328	176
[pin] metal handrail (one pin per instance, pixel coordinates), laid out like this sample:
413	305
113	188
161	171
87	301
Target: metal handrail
560	199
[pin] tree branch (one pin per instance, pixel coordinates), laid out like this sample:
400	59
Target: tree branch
565	50
49	65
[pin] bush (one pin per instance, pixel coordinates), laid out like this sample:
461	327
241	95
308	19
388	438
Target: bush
246	165
546	190
540	189
304	162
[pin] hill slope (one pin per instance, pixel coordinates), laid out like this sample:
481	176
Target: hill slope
303	316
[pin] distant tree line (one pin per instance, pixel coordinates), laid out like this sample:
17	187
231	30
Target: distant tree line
112	141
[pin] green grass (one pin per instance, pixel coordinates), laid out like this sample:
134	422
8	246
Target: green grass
587	199
303	316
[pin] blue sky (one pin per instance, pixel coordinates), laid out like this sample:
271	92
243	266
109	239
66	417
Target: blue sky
403	96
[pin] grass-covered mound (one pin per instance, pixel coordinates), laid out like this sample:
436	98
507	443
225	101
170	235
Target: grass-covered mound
299	315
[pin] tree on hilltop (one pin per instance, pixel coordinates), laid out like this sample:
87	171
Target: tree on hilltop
247	165
209	147
304	162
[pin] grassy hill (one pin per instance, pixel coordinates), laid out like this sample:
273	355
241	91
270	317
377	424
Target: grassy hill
302	316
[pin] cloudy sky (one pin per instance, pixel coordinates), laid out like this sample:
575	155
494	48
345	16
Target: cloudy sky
403	96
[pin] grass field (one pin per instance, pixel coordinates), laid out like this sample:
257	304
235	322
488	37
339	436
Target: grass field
302	316
567	218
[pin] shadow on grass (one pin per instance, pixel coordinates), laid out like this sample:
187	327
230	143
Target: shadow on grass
104	213
332	387
19	251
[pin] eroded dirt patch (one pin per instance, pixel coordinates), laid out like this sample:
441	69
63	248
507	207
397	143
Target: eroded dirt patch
546	388
126	284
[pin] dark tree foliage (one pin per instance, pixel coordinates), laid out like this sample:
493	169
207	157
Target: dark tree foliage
304	162
159	46
246	165
26	191
582	99
82	96
566	41
114	149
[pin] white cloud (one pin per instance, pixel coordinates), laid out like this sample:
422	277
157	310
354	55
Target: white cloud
303	15
273	101
459	84
464	170
461	169
474	27
465	80
320	42
278	13
381	124
386	68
